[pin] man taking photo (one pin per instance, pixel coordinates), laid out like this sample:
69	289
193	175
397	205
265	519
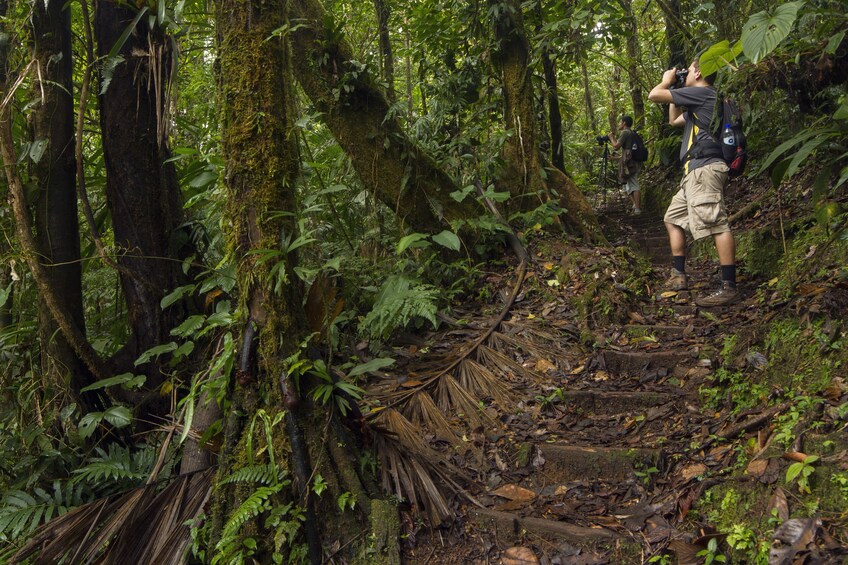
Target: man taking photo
698	207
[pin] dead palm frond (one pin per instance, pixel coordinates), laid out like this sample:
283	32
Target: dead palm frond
144	525
452	398
409	466
529	343
483	383
422	411
507	367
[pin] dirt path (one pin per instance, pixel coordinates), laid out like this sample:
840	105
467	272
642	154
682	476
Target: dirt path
605	460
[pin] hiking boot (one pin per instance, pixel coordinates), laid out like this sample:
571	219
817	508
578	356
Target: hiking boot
637	211
677	281
727	294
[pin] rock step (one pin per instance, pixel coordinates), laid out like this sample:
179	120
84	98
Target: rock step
565	463
610	402
657	330
638	362
511	527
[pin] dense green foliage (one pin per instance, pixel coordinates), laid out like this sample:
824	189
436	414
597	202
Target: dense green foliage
787	63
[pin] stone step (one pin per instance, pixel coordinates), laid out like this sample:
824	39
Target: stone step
657	330
511	527
638	362
565	463
609	402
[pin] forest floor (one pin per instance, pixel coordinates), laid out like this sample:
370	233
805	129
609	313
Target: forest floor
616	422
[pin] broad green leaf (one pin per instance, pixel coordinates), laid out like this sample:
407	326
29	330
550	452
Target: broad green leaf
783	147
842	112
718	56
793	471
37	149
778	172
88	423
189	326
127	380
372	365
802	154
764	31
203	179
183	350
447	239
118	416
155	352
410	240
160	12
834	42
175	295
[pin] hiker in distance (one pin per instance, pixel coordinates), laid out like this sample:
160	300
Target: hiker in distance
628	167
698	207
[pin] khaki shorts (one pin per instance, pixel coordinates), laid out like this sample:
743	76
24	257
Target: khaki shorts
699	204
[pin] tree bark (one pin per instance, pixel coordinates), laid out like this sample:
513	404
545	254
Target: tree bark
141	186
523	175
634	56
5	270
587	94
404	178
54	173
381	7
262	172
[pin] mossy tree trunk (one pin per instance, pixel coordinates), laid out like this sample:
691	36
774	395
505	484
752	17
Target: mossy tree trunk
524	176
262	171
355	109
54	174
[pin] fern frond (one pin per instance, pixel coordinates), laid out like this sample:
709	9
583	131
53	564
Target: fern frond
265	474
399	302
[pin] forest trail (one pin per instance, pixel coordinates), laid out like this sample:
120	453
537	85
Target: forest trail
604	465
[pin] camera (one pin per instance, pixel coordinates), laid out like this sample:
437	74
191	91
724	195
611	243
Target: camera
601	139
680	78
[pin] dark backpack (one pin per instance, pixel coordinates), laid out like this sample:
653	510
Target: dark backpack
728	137
731	136
638	151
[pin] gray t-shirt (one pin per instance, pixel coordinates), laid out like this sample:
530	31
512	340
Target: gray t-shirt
699	102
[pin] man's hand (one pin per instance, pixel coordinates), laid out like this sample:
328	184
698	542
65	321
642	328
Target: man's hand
668	78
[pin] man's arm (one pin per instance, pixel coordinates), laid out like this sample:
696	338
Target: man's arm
661	93
675	116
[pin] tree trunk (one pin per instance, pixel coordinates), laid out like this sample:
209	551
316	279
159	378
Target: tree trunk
381	7
404	178
523	175
141	186
5	269
676	33
634	57
54	173
554	114
262	170
587	94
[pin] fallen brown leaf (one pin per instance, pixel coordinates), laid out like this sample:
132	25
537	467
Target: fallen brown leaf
757	468
519	556
778	501
543	366
693	470
515	492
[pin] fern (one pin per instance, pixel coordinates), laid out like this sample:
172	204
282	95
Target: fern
118	465
21	512
399	301
263	474
255	504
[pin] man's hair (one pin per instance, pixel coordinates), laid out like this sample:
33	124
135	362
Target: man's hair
628	121
709	78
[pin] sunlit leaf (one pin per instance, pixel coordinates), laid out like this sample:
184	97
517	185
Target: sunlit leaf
764	30
447	239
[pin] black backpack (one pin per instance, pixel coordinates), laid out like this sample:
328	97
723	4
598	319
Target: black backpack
728	137
731	136
638	151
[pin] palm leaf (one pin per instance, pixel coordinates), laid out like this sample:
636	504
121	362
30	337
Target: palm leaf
483	383
422	411
144	525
